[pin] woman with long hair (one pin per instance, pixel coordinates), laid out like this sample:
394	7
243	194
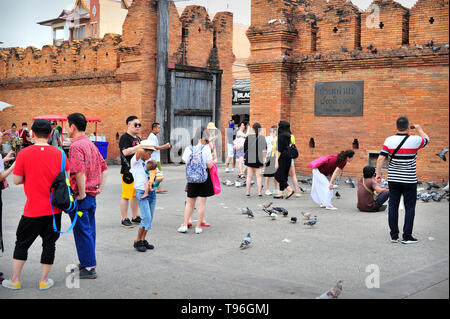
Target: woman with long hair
283	161
241	135
198	192
322	189
255	149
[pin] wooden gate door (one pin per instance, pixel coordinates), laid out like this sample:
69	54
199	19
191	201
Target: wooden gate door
194	101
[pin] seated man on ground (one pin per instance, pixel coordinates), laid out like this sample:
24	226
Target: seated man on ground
368	201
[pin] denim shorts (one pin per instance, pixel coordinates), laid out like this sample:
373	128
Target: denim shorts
147	208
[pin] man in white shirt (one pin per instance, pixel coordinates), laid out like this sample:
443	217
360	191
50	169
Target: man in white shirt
156	156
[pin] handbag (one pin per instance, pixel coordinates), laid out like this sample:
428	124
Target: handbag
292	151
375	196
127	177
215	179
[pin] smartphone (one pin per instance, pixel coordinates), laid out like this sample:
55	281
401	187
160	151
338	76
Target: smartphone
412	127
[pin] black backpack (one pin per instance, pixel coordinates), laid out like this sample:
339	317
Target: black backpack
62	195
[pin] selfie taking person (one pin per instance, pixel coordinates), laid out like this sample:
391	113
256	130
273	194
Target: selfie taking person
402	149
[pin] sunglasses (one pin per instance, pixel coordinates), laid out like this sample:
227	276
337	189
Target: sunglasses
137	124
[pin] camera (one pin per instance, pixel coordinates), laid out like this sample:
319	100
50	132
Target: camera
412	127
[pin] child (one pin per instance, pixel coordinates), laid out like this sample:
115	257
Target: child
155	178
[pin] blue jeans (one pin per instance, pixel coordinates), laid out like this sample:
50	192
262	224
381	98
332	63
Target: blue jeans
147	208
84	231
382	198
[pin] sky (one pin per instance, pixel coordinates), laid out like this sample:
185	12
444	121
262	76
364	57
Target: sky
18	18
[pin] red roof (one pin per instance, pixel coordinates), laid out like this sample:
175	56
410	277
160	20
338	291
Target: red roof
63	118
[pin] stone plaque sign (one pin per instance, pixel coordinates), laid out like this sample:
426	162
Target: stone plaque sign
343	98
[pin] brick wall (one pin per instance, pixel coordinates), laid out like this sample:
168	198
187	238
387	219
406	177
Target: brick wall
399	77
113	77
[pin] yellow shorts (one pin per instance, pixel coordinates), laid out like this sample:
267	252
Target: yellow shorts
128	191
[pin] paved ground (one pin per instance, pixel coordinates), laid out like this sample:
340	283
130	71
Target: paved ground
211	265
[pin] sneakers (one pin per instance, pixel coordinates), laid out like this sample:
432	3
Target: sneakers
46	285
409	240
298	195
382	208
147	245
227	170
11	285
140	246
331	208
136	220
87	274
198	230
126	223
268	193
182	229
395	240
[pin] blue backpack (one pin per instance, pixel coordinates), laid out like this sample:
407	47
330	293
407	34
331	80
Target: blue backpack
196	171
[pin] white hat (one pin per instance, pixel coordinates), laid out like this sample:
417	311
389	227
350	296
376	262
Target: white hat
147	144
211	126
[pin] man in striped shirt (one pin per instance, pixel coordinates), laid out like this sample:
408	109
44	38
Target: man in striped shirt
402	176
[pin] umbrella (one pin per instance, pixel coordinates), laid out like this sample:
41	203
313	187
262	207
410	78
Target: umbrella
4	105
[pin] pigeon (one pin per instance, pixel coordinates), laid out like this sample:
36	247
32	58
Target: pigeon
282	21
338	196
350	182
237	184
281	210
306	215
429	44
247	211
283	57
306	180
432	185
436	49
301	189
286	53
359	48
344	49
420	47
272	21
246	242
445	189
425	197
273	216
293	219
311	222
446	46
442	153
318	57
370	47
228	182
306	57
333	292
374	51
437	197
267	205
353	54
269	211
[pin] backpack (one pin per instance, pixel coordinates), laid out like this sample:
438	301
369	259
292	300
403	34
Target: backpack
319	162
62	196
196	171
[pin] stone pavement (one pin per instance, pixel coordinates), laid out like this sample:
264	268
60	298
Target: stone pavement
211	265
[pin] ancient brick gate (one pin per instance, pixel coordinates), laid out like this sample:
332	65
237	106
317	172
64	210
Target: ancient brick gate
194	100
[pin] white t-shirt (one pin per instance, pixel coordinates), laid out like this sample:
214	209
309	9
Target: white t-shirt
206	153
138	170
269	141
156	155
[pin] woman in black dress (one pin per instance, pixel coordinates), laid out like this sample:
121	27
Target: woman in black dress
255	149
283	162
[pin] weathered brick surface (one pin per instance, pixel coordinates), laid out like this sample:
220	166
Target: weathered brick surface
113	77
399	77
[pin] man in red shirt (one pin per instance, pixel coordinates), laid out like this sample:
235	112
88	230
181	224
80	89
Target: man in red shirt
36	168
87	177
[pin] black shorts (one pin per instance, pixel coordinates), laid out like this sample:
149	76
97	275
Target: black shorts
205	189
